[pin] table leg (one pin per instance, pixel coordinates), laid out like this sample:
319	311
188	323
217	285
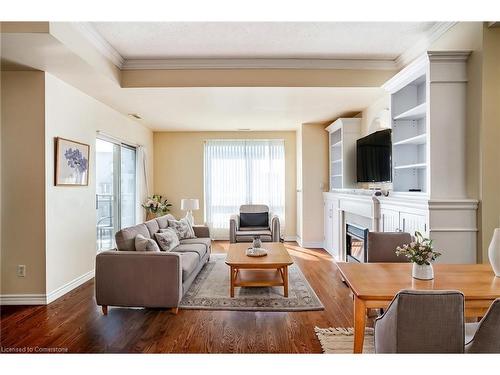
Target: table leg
285	281
232	276
359	324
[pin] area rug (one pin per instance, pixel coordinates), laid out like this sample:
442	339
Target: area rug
341	340
210	291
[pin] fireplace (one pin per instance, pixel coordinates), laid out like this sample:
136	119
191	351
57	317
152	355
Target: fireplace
356	243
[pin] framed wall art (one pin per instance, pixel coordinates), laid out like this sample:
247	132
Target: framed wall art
72	163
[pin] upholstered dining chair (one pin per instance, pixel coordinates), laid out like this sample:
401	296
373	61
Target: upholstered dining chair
422	321
381	246
254	220
484	337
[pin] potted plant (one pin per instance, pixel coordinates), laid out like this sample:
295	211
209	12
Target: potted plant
421	254
155	206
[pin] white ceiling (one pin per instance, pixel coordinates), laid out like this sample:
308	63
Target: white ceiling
327	40
233	108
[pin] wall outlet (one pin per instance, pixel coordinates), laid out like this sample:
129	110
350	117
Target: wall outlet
21	270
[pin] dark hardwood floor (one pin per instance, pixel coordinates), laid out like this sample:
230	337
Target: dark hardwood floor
75	321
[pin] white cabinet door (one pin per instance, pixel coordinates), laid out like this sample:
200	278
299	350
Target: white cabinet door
411	223
336	230
389	220
328	232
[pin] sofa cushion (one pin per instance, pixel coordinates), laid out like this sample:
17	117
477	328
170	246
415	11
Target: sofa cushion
163	220
125	238
152	226
145	244
253	229
167	239
189	261
200	240
183	228
249	238
254	219
197	248
253	233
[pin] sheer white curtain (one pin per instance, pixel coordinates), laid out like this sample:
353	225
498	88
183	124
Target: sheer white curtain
242	172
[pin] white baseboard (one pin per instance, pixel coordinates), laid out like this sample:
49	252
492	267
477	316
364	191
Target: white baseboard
45	299
23	299
290	238
68	287
312	245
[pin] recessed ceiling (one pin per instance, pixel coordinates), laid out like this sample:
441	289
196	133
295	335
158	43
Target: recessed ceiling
232	108
308	40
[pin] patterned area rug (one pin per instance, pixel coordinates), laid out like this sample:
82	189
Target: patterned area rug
210	291
341	340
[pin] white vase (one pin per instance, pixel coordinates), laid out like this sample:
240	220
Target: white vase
494	252
422	271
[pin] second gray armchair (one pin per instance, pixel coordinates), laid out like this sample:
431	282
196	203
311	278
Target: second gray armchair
254	220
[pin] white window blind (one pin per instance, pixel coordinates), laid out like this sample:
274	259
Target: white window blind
242	172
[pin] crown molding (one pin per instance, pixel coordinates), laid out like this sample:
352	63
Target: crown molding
92	35
448	55
434	33
230	63
408	74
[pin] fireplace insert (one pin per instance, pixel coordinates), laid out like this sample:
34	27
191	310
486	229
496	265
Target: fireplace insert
356	243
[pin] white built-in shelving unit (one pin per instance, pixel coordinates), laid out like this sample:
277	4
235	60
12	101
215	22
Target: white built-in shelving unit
342	136
409	136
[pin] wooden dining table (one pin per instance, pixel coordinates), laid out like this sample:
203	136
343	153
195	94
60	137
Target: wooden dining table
374	285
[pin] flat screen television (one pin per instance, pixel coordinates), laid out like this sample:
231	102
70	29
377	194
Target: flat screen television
373	157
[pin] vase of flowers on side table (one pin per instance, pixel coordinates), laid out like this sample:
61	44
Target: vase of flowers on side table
156	206
421	254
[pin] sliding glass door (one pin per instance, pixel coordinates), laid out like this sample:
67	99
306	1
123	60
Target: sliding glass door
115	190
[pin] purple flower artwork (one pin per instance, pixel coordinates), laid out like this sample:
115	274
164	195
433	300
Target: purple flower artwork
76	160
72	162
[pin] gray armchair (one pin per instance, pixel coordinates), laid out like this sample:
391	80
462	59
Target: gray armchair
254	220
484	337
382	246
422	322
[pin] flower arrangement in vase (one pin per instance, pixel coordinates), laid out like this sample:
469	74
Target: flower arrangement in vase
421	254
155	206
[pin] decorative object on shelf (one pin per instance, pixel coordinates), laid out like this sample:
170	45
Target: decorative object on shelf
494	252
256	252
421	254
190	205
156	206
257	242
72	163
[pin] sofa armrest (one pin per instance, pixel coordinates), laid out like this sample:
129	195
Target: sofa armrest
201	231
234	225
138	279
275	228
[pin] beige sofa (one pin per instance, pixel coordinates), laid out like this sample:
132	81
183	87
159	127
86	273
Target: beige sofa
125	277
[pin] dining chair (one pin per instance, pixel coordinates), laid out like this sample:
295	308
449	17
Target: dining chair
484	337
381	246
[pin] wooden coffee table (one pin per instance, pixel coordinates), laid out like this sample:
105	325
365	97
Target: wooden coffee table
269	270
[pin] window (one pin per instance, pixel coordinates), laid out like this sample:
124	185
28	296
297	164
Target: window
115	190
242	172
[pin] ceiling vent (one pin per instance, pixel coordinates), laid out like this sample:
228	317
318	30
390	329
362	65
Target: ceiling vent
135	115
244	129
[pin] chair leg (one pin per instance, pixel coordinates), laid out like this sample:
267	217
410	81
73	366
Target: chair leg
104	309
174	310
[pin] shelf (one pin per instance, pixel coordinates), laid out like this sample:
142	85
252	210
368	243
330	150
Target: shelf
413	113
337	161
337	144
411	166
336	175
418	140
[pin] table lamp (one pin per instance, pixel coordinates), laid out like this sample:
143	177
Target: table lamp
189	205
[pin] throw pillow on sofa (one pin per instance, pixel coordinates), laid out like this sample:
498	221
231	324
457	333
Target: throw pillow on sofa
183	228
167	239
145	244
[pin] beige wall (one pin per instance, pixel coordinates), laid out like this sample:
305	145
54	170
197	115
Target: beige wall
23	182
71	215
314	146
490	137
178	168
52	230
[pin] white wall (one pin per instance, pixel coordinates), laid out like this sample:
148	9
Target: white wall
70	211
